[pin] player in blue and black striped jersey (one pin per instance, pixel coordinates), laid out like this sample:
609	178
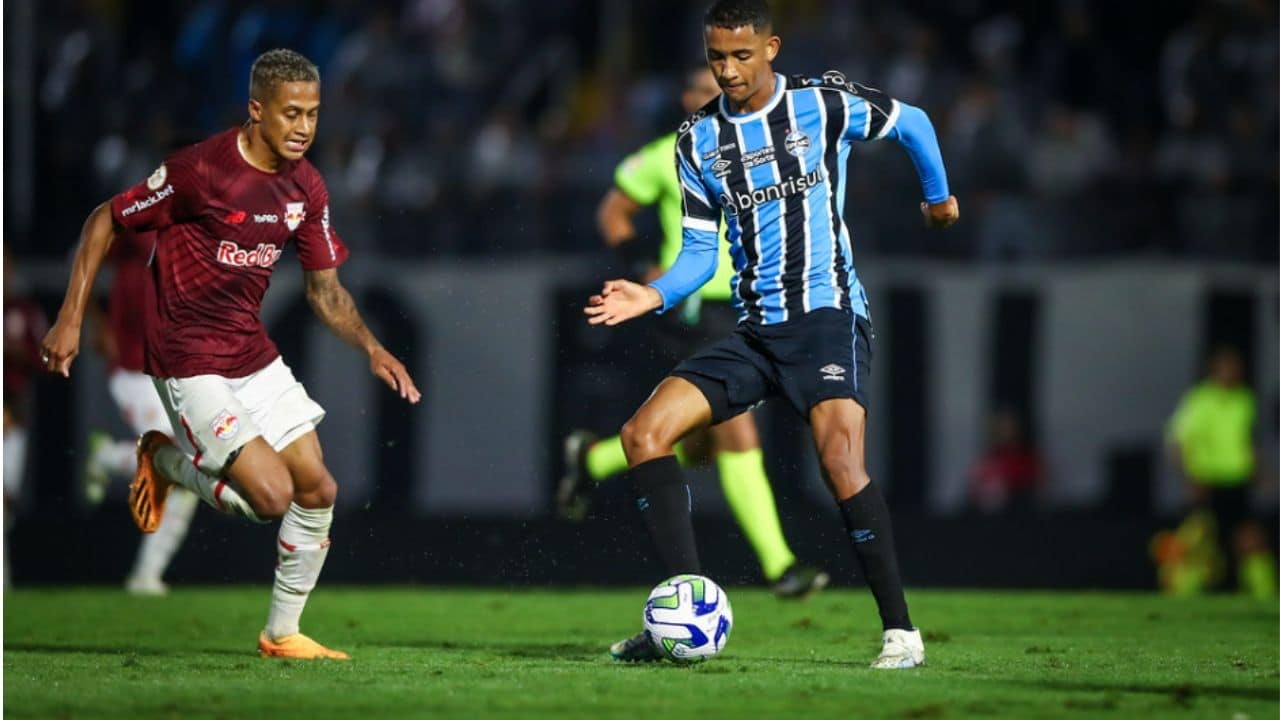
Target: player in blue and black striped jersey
771	156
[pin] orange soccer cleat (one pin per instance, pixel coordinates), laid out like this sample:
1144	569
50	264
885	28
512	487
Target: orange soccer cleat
297	647
149	489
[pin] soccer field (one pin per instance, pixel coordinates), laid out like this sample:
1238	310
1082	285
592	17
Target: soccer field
541	653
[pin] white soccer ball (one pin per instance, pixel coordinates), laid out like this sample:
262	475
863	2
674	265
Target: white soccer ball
688	618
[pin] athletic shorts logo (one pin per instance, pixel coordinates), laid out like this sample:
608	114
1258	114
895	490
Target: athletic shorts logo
225	426
797	143
156	181
294	215
832	372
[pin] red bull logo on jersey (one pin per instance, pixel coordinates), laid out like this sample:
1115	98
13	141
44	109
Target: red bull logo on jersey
225	426
265	255
294	214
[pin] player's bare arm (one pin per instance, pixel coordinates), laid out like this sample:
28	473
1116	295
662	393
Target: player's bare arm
331	302
620	301
62	343
614	218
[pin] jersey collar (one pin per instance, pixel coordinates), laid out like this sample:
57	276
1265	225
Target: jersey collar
779	87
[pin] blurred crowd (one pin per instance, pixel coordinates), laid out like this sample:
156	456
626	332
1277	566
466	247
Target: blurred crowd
1071	129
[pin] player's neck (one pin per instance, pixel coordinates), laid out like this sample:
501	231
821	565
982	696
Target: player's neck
254	150
759	99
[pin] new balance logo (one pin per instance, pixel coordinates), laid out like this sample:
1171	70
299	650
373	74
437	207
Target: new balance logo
832	372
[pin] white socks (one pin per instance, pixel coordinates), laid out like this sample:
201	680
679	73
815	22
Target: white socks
303	545
157	549
119	457
219	494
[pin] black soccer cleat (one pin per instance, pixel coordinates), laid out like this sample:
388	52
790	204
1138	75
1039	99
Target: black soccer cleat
573	497
800	581
635	649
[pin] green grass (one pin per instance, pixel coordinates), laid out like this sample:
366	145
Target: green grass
541	654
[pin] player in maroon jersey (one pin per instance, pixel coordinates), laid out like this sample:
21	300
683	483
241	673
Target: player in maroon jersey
223	211
119	335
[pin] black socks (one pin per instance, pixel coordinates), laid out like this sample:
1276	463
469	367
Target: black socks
866	517
663	498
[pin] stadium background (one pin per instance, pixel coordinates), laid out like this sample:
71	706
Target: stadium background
1118	181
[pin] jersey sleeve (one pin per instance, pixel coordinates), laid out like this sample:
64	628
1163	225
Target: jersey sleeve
700	220
171	195
319	247
873	115
640	174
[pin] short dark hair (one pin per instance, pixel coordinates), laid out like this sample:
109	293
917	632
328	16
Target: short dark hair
274	67
736	13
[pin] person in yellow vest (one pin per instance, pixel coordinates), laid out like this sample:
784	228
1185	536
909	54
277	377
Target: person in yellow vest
648	178
1212	431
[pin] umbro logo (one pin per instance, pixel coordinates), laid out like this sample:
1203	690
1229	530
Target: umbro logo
832	372
721	168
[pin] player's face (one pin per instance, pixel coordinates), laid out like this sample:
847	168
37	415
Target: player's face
701	89
287	120
741	60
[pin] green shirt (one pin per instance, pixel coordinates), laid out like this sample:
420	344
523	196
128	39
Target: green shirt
648	176
1213	427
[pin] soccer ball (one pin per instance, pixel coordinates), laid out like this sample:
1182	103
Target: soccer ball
688	618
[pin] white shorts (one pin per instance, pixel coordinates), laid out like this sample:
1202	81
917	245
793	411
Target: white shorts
138	401
213	416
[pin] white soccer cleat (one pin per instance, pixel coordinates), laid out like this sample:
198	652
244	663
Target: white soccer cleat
902	649
146	586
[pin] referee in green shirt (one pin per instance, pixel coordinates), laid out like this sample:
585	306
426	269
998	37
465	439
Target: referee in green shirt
648	178
1213	430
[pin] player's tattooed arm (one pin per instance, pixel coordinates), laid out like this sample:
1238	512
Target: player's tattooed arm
331	302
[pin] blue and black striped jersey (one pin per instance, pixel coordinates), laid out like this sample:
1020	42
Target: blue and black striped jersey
777	176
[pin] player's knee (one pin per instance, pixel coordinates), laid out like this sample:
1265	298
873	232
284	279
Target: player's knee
270	502
844	470
315	489
641	441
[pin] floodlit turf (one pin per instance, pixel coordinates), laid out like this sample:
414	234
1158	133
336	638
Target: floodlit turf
437	653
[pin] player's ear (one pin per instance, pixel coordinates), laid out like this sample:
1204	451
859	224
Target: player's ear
771	48
255	110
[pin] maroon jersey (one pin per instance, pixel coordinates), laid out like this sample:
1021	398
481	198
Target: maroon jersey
221	225
127	308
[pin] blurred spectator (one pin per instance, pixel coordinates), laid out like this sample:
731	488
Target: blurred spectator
479	126
1212	431
25	325
1010	472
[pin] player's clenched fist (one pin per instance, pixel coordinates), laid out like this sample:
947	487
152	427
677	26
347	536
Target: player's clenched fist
60	347
942	214
620	301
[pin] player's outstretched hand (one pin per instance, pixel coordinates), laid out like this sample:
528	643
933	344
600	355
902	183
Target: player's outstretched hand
392	372
941	215
60	347
620	301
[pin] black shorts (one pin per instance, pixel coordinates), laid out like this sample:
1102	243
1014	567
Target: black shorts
1230	507
681	333
822	355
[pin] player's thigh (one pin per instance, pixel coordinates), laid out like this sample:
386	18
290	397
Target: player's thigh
279	405
737	434
823	355
208	420
674	408
731	374
139	402
259	472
